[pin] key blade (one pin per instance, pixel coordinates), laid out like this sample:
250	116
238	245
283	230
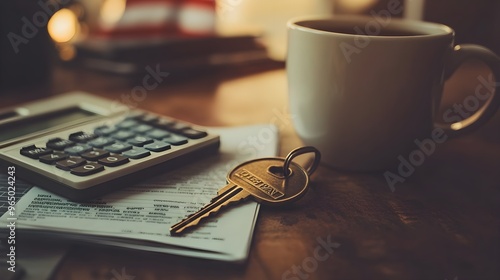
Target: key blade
231	195
228	187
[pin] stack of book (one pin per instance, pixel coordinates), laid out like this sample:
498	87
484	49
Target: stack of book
173	35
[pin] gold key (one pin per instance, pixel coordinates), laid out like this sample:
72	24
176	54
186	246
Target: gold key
271	181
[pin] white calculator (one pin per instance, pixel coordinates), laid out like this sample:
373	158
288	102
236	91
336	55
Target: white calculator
81	146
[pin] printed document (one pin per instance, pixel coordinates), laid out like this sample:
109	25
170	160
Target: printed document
140	216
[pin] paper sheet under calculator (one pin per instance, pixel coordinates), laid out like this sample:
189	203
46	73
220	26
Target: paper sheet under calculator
140	216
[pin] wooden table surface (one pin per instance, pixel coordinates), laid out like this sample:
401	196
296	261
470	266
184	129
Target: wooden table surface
443	222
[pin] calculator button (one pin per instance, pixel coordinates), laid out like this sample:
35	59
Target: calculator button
105	130
134	116
140	141
81	137
150	119
78	149
87	169
70	163
113	160
30	147
175	140
34	152
59	144
193	133
157	134
163	123
157	146
53	158
177	127
126	124
95	154
142	128
101	142
136	153
123	135
118	147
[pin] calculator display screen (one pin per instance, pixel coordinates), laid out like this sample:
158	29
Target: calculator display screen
34	124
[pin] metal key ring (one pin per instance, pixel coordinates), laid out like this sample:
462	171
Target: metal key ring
300	151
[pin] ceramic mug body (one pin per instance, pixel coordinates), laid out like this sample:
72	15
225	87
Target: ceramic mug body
363	99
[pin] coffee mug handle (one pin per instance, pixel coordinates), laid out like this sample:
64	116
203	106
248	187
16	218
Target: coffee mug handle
460	54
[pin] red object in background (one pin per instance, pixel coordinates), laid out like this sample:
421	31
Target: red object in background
162	19
196	17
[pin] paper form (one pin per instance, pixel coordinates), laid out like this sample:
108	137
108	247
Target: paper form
140	216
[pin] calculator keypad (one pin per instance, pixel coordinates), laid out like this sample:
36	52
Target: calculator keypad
53	158
118	147
123	135
157	146
87	169
78	149
69	163
59	144
137	153
35	152
105	130
101	142
193	133
126	124
95	154
135	137
113	160
143	128
140	141
175	140
157	134
149	119
81	137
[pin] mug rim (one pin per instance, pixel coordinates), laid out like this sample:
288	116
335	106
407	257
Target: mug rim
424	28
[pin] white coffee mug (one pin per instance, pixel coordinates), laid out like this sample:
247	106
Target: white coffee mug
366	90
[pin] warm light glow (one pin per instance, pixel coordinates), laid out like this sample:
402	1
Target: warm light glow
355	5
112	11
67	52
62	26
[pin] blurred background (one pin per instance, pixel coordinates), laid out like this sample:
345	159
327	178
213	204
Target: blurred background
122	37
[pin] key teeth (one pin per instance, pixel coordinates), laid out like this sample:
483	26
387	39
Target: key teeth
182	229
190	225
195	222
190	215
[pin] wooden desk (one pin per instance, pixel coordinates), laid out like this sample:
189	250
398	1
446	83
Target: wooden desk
443	222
